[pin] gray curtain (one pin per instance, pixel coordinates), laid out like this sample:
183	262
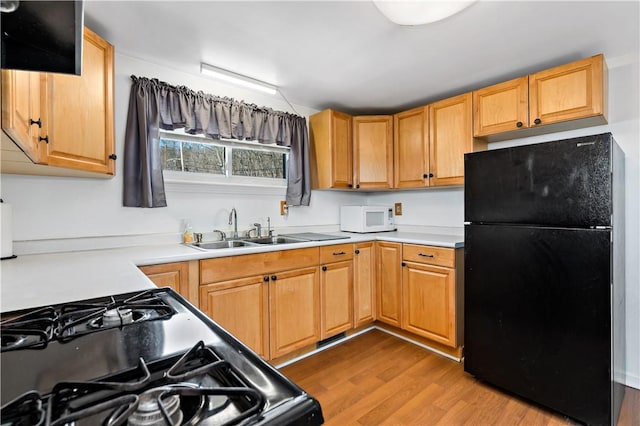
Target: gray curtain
155	105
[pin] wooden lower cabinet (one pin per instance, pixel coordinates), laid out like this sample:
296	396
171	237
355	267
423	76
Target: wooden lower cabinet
180	276
336	298
364	283
294	310
389	276
429	302
241	307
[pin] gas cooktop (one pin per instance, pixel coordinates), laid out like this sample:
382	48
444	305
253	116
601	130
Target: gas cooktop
145	358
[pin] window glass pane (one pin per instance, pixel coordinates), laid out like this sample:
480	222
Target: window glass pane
203	158
249	162
170	153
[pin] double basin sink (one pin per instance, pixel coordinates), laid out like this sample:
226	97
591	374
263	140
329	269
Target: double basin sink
246	242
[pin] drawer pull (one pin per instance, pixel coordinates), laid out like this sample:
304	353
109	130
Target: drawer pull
338	253
425	255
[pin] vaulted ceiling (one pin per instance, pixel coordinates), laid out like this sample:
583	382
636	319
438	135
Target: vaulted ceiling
347	55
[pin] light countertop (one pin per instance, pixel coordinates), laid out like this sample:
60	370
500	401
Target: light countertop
45	279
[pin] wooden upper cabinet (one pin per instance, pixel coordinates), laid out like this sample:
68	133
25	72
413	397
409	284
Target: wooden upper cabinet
568	92
373	152
21	117
411	148
80	111
450	137
331	150
501	108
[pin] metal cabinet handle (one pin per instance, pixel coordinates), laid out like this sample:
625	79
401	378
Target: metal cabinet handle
537	121
425	255
425	176
46	139
273	277
338	253
266	278
113	157
403	264
357	251
38	122
324	268
519	124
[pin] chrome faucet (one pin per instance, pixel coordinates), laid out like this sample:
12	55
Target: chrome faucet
233	220
258	229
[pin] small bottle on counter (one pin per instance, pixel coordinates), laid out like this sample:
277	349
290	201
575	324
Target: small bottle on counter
187	235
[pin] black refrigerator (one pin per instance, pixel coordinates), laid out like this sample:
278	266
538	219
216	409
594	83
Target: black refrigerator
544	274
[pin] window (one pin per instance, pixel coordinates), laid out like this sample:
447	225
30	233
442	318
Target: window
223	161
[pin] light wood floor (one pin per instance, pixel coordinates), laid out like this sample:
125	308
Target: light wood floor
378	379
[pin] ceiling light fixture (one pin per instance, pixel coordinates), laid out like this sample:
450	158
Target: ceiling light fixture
420	12
239	79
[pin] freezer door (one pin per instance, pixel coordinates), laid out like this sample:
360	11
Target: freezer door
560	183
537	315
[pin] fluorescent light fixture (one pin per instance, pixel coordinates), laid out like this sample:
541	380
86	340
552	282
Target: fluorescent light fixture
239	79
419	12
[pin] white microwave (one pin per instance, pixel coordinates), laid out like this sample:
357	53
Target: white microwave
366	219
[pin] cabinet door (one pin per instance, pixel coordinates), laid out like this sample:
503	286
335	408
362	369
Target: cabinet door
568	92
80	112
411	148
336	298
294	308
373	152
20	109
429	302
241	308
364	300
501	108
174	275
331	149
451	136
389	257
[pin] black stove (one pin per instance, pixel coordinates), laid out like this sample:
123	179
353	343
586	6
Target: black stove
145	358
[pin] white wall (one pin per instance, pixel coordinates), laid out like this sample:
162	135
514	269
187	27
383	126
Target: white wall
48	208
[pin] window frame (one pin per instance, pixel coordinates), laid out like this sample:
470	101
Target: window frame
182	180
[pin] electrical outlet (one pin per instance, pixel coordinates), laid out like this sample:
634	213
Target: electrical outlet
283	208
398	209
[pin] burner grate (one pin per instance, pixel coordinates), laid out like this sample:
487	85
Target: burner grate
197	376
24	410
78	319
31	330
35	329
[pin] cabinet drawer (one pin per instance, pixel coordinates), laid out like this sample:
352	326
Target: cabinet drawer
226	268
336	252
428	254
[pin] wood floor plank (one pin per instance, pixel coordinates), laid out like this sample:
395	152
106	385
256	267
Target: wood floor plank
378	379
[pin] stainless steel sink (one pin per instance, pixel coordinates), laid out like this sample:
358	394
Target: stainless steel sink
275	240
247	242
221	244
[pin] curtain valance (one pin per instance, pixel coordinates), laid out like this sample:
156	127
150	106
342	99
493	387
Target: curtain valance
155	105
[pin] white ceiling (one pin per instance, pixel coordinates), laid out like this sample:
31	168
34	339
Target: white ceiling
347	56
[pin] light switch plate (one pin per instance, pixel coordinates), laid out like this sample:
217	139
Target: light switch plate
398	209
